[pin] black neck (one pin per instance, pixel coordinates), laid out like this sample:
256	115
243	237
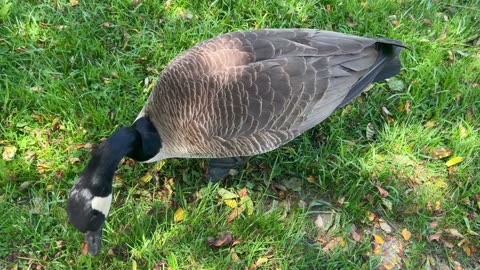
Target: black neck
98	174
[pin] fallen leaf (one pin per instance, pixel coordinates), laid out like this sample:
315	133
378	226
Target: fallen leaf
221	240
146	178
385	226
235	213
458	266
225	194
261	261
340	202
24	185
454	233
434	224
406	234
231	203
106	24
334	243
378	239
407	106
438	205
383	192
247	203
441	152
84	248
371	216
454	161
178	216
356	236
426	21
42	168
463	131
434	237
430	123
243	192
311	179
396	85
395	22
73	2
9	152
467	250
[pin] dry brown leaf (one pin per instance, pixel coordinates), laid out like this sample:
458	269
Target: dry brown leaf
441	152
454	233
385	226
356	236
406	234
407	106
435	237
221	240
340	202
383	192
84	248
243	192
235	213
434	224
371	216
334	243
458	266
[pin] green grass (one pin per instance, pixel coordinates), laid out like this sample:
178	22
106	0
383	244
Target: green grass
71	75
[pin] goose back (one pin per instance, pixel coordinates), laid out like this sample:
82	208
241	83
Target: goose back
246	93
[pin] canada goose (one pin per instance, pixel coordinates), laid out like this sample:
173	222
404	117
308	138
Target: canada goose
236	95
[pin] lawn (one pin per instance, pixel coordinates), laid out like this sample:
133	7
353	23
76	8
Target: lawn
391	181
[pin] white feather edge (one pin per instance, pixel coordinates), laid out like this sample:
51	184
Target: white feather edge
102	204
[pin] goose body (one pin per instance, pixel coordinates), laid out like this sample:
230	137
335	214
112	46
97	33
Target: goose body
239	94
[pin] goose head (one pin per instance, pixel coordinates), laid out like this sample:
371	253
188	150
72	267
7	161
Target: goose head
91	196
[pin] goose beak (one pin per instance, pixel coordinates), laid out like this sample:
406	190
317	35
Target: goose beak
94	241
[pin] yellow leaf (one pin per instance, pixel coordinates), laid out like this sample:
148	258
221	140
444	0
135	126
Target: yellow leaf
134	265
159	165
438	205
146	178
467	250
430	124
453	161
261	261
406	234
388	266
73	2
231	203
9	152
378	239
178	216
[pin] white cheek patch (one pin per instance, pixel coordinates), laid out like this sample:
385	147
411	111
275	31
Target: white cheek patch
102	204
